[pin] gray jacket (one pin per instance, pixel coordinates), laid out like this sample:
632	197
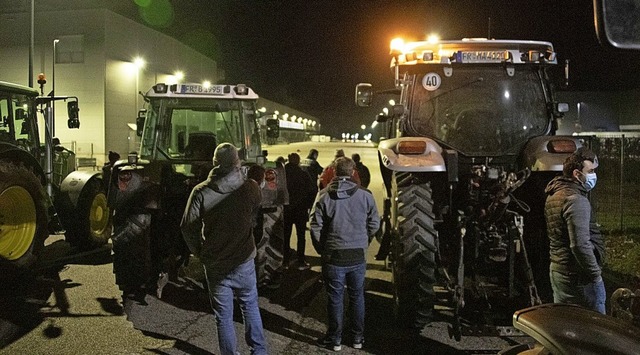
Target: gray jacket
576	244
343	216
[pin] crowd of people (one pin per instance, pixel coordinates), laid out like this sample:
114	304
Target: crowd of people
219	226
221	223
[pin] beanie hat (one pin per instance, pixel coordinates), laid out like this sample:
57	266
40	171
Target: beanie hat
225	158
339	153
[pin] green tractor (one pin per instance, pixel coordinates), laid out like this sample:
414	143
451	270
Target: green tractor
179	130
41	192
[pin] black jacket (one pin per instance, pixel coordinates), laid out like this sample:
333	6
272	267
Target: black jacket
576	244
302	190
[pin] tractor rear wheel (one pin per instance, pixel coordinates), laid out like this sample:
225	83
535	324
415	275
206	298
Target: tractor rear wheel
23	216
92	227
414	250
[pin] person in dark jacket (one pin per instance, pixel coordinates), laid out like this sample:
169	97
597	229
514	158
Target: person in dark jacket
217	227
302	192
576	244
311	165
343	221
363	171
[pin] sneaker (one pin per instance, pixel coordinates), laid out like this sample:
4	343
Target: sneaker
326	342
357	344
303	265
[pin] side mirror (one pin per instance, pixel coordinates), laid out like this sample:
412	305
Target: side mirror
617	23
273	128
364	94
74	118
142	116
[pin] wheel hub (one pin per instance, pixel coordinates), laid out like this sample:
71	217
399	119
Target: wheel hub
17	222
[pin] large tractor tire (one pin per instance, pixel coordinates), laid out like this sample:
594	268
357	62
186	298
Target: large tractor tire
414	250
269	255
91	225
23	215
131	252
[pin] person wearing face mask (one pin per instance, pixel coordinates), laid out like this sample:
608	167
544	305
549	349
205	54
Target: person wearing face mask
576	244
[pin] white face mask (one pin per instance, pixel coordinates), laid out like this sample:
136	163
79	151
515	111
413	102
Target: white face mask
262	184
590	180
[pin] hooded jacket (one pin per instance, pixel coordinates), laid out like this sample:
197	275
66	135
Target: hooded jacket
576	244
216	224
343	217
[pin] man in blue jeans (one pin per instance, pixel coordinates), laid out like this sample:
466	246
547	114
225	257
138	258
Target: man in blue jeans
217	227
344	218
576	244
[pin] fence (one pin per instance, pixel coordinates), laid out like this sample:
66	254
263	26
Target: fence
616	199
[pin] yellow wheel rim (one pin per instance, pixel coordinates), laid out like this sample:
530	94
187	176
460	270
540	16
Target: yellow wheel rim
99	214
18	222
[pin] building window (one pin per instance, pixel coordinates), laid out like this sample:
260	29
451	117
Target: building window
70	49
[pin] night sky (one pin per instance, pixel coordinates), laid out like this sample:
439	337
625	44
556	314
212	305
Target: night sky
309	55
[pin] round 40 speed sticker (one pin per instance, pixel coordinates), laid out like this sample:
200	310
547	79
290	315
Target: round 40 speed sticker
431	81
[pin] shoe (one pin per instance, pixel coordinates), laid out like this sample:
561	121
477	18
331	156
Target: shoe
326	342
357	344
303	265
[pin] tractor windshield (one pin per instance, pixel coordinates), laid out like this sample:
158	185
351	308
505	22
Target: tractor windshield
192	128
479	110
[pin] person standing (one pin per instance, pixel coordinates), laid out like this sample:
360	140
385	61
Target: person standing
311	165
363	171
330	172
343	220
576	244
302	192
217	227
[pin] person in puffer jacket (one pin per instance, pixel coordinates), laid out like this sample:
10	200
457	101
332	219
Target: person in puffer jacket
343	220
576	244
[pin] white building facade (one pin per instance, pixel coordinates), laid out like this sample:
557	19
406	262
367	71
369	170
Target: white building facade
95	59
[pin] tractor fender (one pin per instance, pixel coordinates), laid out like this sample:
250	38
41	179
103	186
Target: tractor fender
429	160
548	153
14	154
72	185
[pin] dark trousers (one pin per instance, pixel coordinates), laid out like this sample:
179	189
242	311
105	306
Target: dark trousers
298	217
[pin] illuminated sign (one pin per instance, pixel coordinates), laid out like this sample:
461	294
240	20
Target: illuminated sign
481	56
291	125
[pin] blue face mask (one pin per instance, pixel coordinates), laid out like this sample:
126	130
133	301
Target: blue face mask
590	180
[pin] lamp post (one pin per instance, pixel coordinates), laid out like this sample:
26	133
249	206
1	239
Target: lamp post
31	42
53	86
